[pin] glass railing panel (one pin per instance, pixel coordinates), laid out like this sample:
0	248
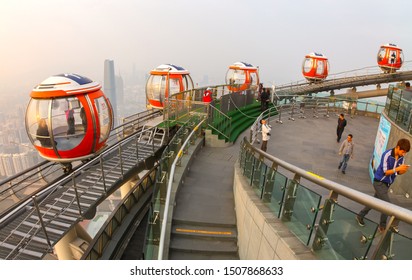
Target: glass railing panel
247	172
393	109
371	107
274	190
242	157
398	247
301	217
152	243
388	103
344	239
404	114
258	178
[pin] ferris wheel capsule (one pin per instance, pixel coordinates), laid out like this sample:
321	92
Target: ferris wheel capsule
68	118
166	80
315	67
390	58
242	76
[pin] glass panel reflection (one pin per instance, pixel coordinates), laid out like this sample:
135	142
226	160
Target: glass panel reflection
247	172
397	248
301	207
341	238
258	179
274	191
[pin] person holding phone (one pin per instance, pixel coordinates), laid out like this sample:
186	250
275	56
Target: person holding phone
392	164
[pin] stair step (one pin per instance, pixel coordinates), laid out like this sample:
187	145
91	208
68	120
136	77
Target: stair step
196	231
211	246
180	255
187	222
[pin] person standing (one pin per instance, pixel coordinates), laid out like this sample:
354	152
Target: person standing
407	92
84	119
392	164
70	121
265	135
260	90
340	127
207	95
264	100
347	150
43	135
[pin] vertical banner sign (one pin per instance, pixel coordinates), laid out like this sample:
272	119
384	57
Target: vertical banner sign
381	143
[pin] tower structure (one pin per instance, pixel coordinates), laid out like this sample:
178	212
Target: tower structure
109	87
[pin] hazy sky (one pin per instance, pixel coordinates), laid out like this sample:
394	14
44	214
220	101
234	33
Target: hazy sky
39	38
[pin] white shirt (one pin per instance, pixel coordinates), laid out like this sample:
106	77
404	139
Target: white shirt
265	130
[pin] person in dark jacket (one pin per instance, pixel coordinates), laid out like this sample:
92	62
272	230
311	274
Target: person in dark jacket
264	100
84	119
43	135
340	127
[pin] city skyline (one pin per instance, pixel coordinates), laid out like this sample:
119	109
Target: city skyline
40	39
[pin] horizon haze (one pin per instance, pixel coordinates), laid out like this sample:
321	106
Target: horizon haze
43	38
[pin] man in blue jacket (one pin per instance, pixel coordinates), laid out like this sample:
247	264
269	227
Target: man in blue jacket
391	165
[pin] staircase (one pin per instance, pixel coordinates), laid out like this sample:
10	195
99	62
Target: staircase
204	220
241	119
203	241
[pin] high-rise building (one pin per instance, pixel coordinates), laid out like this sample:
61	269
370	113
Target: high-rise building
18	162
7	162
120	94
109	86
2	169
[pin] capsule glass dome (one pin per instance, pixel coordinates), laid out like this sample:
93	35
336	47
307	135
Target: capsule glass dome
68	118
390	58
315	67
241	76
166	80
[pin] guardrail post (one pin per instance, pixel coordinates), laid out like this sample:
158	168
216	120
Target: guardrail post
103	177
76	193
325	219
290	198
137	148
121	160
384	248
36	205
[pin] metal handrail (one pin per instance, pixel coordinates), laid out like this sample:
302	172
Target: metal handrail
354	195
255	128
56	184
135	121
226	117
169	190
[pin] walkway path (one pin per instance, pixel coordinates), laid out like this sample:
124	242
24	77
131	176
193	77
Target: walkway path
307	143
311	144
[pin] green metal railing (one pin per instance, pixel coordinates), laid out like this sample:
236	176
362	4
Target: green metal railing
180	106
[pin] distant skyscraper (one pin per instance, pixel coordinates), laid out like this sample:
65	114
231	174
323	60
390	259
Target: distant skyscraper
109	87
8	165
120	94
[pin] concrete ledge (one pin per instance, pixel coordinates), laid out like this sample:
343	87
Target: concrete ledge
261	235
212	140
